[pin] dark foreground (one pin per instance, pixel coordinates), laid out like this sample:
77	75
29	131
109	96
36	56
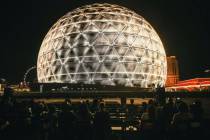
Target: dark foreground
100	120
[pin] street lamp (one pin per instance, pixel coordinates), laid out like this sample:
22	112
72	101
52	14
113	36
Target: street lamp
207	71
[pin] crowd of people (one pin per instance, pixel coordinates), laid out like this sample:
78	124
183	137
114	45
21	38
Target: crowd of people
41	121
173	120
92	120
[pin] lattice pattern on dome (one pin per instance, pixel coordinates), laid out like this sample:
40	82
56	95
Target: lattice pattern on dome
105	44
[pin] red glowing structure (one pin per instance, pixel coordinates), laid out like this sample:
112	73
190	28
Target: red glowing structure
196	84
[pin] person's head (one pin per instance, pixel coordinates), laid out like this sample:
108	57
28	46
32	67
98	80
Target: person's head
170	100
150	102
95	101
183	107
131	101
52	108
144	106
83	108
87	102
8	90
102	106
68	101
41	104
198	103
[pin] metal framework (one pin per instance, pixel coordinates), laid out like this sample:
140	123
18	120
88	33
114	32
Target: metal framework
27	72
105	44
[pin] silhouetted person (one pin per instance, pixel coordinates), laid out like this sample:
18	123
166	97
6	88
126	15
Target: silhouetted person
8	92
197	123
147	125
101	124
159	122
182	115
143	108
95	106
131	109
53	129
131	114
67	123
169	110
84	130
197	111
67	106
151	110
181	122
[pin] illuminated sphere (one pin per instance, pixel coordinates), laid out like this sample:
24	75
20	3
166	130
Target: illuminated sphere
102	44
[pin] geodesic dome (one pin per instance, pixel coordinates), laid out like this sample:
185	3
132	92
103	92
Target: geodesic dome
102	43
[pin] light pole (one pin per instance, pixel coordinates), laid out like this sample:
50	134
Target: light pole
207	71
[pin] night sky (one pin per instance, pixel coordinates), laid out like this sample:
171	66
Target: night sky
183	26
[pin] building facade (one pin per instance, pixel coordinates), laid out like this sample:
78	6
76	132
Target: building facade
172	71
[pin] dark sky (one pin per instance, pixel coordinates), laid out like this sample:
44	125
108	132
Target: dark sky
183	26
